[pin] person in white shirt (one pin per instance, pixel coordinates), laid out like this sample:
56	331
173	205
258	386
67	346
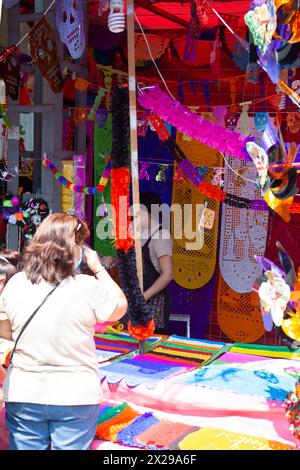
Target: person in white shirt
52	388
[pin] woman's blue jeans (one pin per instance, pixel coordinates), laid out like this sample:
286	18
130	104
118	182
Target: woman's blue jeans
36	427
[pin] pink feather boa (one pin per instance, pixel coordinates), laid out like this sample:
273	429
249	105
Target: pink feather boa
210	134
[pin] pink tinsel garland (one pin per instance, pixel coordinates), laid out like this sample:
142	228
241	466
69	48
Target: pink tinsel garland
210	134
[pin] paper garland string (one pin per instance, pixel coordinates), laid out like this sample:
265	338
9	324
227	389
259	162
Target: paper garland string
206	188
88	190
189	123
202	185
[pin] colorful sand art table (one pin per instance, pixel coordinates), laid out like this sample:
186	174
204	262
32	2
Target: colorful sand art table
231	391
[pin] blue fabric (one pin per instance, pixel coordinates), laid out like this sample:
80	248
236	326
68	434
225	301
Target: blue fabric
138	426
40	427
231	378
136	371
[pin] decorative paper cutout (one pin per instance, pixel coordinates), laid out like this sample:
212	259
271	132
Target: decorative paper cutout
238	314
10	71
43	50
158	46
243	233
194	267
261	120
70	24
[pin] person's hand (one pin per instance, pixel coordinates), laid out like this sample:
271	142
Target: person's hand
92	259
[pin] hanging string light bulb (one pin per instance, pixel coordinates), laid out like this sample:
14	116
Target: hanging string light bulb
116	17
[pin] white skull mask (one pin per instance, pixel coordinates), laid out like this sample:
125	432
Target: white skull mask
69	22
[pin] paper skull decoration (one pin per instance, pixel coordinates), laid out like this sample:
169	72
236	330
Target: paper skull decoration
43	50
70	24
293	122
10	71
260	121
231	120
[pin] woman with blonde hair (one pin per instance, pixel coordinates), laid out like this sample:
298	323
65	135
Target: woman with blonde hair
52	388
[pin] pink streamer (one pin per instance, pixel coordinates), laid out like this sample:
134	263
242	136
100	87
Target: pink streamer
79	178
210	134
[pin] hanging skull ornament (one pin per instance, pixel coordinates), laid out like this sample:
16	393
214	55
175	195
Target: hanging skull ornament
43	50
10	71
293	122
70	24
231	120
260	121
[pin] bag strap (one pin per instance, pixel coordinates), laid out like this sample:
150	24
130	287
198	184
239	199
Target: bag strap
29	320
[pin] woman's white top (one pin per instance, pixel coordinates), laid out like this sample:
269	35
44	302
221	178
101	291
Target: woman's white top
55	361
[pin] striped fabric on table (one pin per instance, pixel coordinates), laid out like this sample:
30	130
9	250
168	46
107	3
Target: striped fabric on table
266	351
109	346
187	351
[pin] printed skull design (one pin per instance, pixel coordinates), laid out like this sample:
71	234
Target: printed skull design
43	50
69	22
231	120
293	122
260	120
10	72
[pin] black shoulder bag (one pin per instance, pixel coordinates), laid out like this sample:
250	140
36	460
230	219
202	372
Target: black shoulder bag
29	320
